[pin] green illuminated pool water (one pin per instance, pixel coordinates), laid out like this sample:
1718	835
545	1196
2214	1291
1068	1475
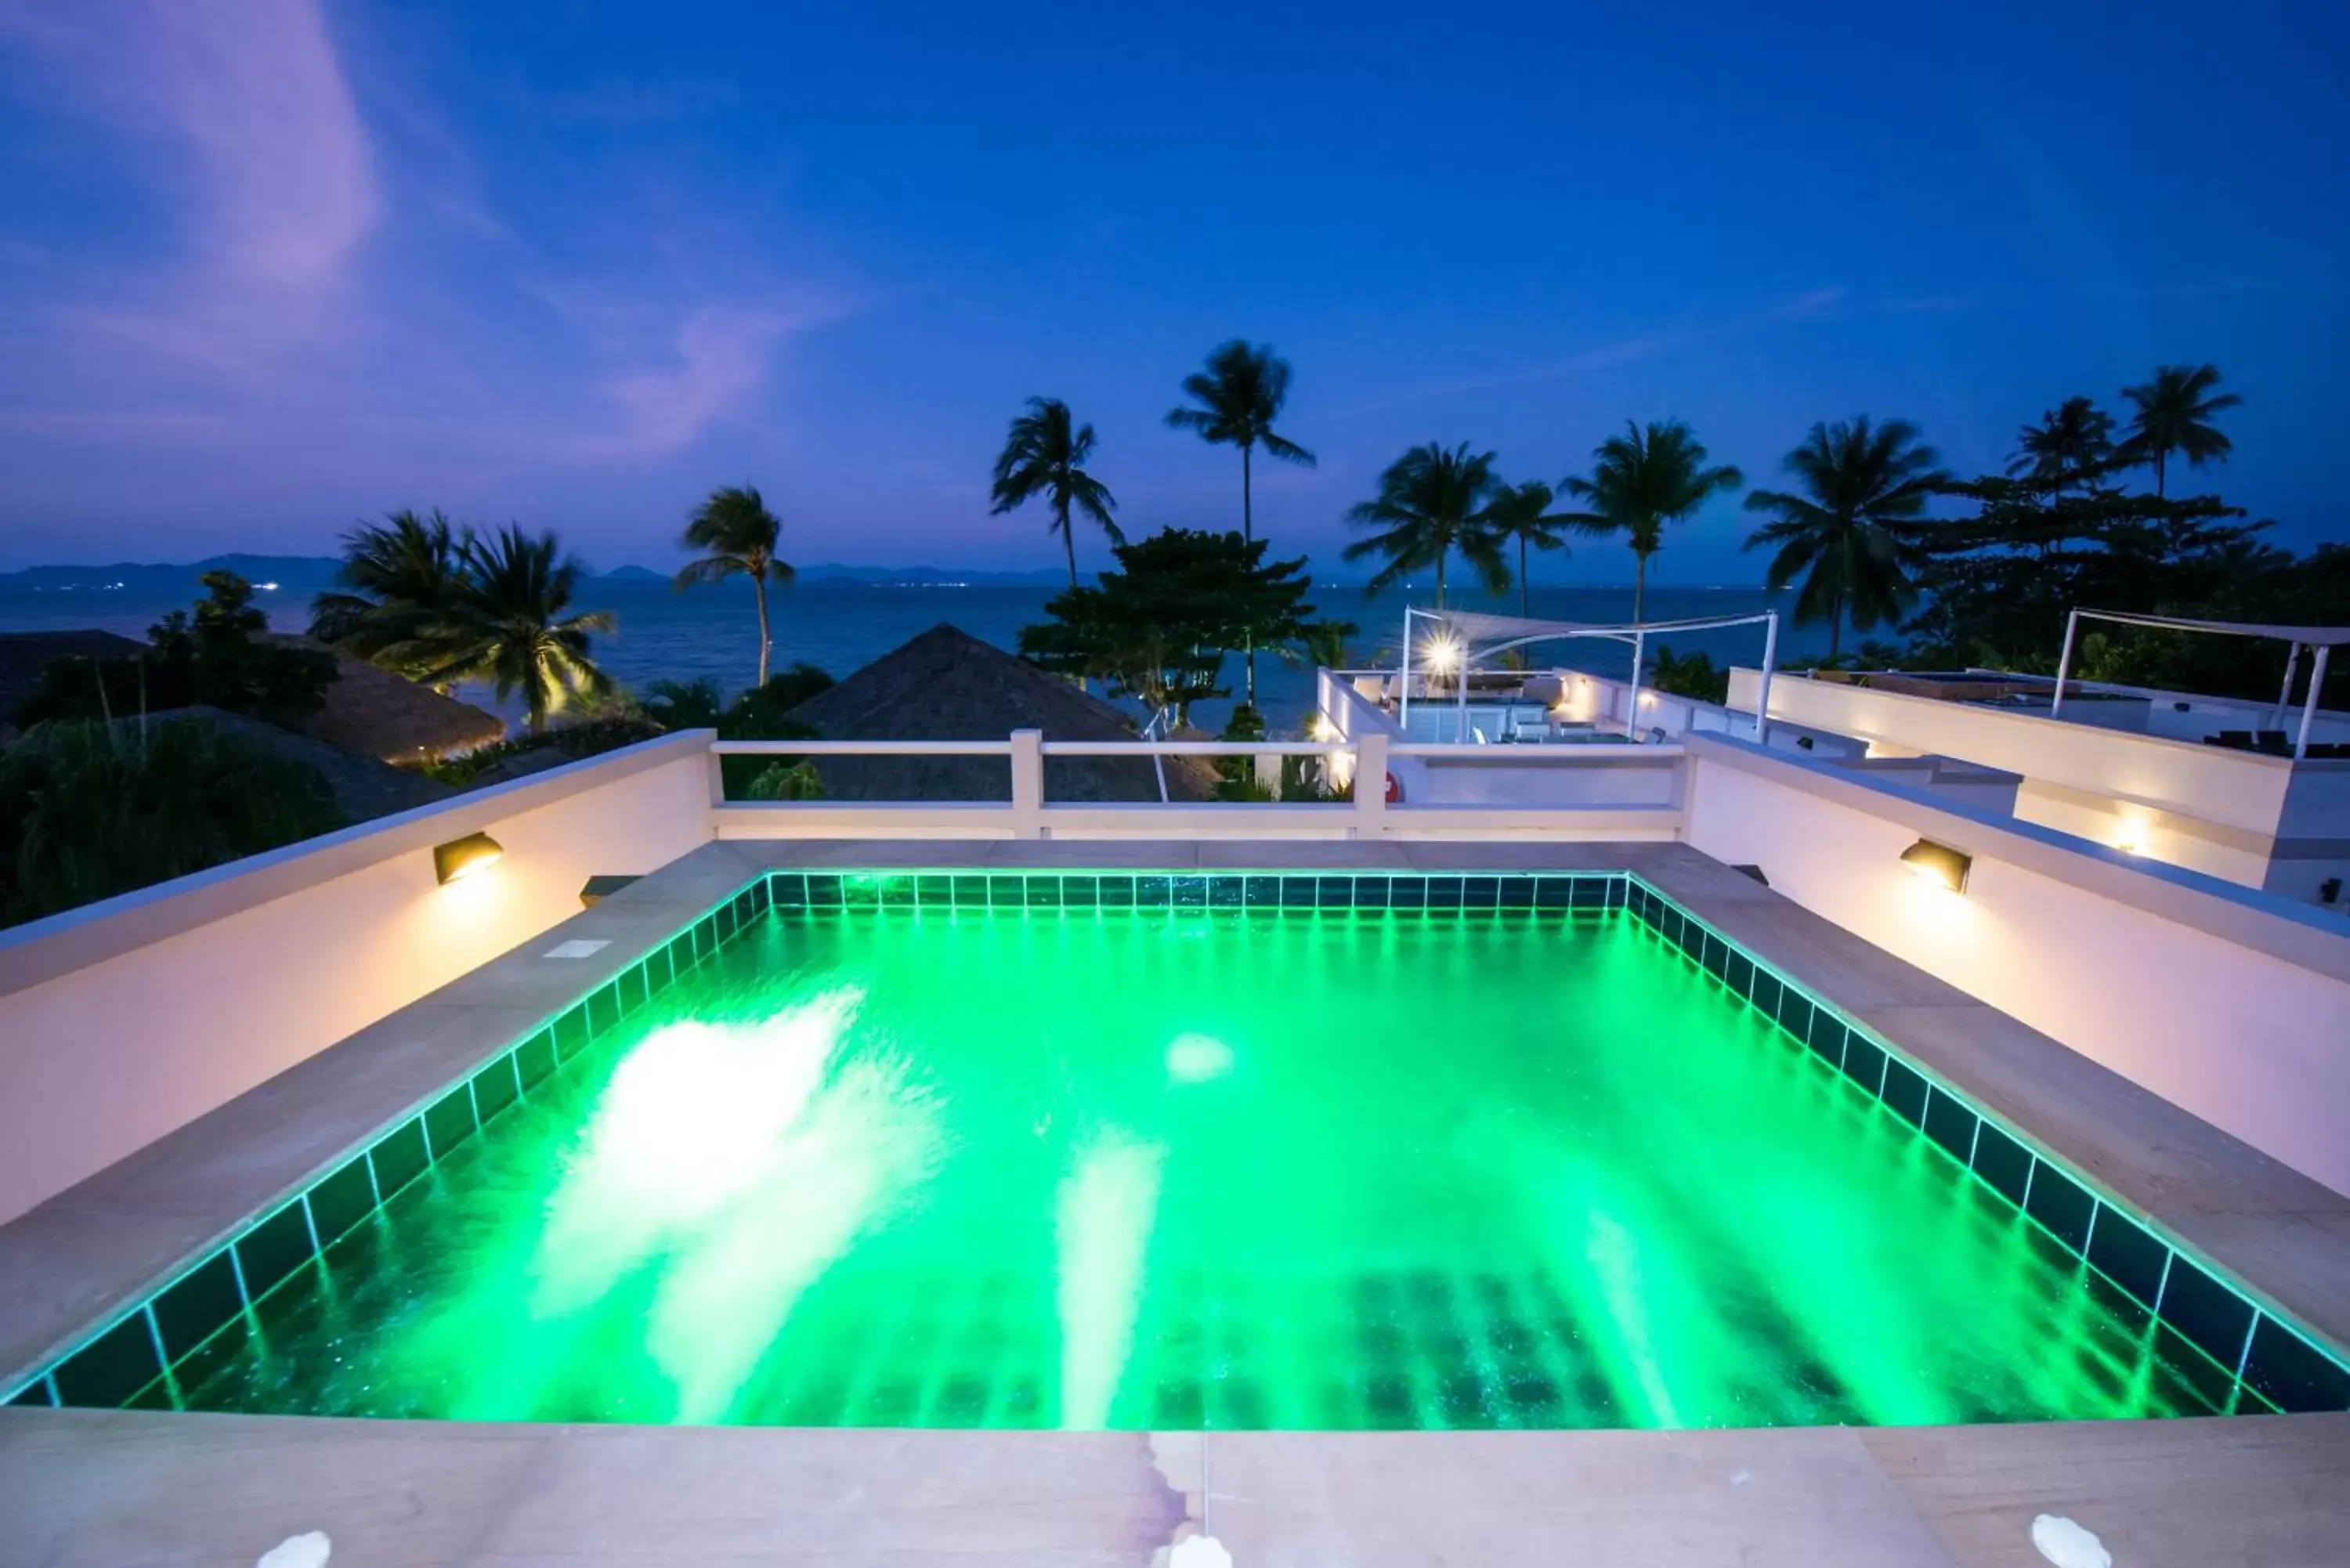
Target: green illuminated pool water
1157	1171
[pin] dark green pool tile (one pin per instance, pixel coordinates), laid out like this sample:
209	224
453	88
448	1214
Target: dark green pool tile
1406	892
398	1157
899	892
2207	1312
603	1010
450	1122
1952	1125
570	1031
534	1059
1042	893
659	976
1297	892
788	889
823	890
1077	892
1187	892
111	1367
1443	894
2120	1247
2288	1371
1515	893
2002	1163
1151	892
633	989
680	953
1740	973
1795	1014
934	891
1262	892
1595	892
1554	892
494	1088
1767	994
1370	892
2061	1204
188	1314
274	1249
1905	1092
971	892
1864	1062
1479	894
1827	1037
347	1196
1116	892
1335	893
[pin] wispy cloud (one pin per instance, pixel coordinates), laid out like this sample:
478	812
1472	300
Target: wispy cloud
253	138
1817	302
721	361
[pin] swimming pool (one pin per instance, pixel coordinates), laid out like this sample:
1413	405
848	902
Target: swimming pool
1182	1151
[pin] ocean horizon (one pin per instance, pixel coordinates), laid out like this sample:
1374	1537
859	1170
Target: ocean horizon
841	624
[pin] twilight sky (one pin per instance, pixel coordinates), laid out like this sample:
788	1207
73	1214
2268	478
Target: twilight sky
267	267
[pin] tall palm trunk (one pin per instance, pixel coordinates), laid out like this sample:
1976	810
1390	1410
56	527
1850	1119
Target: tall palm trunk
1521	577
1836	626
1640	583
2160	458
1248	534
1068	542
1440	578
759	592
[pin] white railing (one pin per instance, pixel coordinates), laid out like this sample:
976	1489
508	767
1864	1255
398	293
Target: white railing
1596	792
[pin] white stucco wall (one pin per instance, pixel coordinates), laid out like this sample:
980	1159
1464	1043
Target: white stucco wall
124	1020
2232	1004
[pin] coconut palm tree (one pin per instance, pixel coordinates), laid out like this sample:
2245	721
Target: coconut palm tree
401	576
1432	502
1864	488
738	537
1521	512
1238	397
510	625
1044	454
2174	414
2072	443
1640	482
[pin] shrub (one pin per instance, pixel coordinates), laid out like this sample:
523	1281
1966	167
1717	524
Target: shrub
89	809
218	659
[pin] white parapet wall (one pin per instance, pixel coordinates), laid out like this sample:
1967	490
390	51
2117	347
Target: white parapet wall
2232	1003
125	1018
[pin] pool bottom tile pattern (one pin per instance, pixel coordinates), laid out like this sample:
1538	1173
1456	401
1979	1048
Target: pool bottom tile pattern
1215	1149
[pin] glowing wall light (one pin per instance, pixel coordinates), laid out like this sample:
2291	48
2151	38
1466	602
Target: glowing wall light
1938	864
465	857
1442	655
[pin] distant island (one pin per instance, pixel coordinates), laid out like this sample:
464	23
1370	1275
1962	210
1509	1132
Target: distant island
308	574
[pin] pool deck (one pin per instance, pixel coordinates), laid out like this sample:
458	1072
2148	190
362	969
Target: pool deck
130	1487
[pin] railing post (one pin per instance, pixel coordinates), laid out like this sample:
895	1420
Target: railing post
716	765
1371	784
1027	784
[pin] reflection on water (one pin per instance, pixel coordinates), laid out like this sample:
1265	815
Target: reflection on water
1104	1214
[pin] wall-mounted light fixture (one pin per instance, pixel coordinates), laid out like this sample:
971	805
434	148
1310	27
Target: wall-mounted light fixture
1938	864
464	857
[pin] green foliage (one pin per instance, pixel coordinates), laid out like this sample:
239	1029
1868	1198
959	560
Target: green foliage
1322	643
737	536
1158	625
1688	675
1521	515
785	780
2073	443
401	581
1044	454
1432	502
576	738
88	809
217	657
685	704
510	626
2174	413
1855	524
1642	480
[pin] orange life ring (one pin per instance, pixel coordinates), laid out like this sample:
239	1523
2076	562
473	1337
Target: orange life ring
1395	790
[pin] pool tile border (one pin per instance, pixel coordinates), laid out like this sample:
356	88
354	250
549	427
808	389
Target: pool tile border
2271	1364
2281	1365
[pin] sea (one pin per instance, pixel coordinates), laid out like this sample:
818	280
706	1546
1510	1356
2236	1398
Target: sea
839	625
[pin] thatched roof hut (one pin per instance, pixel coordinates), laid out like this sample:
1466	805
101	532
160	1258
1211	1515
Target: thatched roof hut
946	685
363	787
379	715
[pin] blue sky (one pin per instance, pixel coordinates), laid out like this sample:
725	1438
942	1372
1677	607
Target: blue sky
267	267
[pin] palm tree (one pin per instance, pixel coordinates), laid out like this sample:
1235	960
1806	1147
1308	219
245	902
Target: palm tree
1640	482
2072	443
402	577
509	624
1045	455
1432	502
2174	414
1522	512
1239	395
1864	488
737	535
